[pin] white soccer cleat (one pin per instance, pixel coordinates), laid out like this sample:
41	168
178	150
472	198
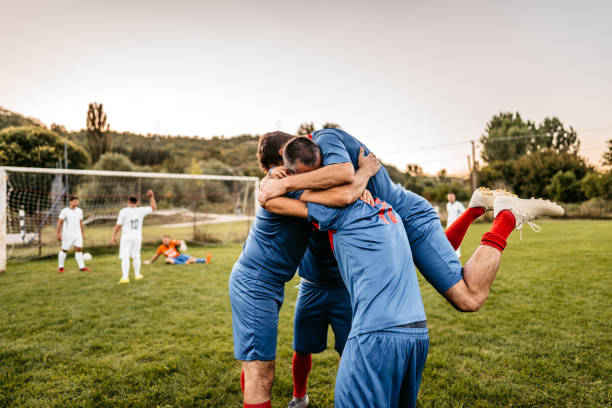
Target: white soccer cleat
485	198
525	210
299	402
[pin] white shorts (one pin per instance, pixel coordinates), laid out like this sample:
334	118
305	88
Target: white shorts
69	241
130	248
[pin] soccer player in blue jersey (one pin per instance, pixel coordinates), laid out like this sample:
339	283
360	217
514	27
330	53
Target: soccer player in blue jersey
323	300
383	360
269	259
465	287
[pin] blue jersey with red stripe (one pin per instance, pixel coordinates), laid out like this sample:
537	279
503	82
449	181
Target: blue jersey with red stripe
275	246
375	261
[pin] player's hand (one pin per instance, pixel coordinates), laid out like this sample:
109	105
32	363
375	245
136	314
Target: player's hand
366	196
114	241
149	193
278	172
147	262
369	162
59	237
270	188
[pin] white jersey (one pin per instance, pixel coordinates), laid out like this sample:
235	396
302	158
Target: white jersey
72	221
130	219
454	210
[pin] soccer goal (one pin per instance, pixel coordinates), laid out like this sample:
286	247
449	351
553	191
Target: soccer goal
207	209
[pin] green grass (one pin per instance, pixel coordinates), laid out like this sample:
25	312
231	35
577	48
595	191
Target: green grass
544	338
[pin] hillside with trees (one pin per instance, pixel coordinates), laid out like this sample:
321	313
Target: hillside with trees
532	160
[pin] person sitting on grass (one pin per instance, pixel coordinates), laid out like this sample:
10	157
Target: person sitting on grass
173	254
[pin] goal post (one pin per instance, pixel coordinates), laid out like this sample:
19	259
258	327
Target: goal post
196	207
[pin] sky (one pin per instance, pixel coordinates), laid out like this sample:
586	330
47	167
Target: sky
414	80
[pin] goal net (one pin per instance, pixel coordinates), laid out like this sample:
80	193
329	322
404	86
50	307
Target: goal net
204	209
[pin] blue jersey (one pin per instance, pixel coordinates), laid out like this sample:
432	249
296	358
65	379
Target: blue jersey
337	146
376	264
275	246
319	265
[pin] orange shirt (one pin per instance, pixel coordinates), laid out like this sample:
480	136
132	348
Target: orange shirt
169	250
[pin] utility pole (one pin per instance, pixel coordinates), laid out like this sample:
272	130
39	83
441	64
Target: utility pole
474	175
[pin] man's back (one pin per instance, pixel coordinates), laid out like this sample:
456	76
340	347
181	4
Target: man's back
131	218
374	256
275	246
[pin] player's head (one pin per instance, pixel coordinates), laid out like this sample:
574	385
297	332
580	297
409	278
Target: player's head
132	201
301	155
73	201
450	197
269	151
166	239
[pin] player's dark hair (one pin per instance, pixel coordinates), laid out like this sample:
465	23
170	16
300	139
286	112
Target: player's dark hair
268	149
133	199
73	197
301	149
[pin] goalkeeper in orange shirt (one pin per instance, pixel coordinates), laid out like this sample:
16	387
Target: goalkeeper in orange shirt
173	254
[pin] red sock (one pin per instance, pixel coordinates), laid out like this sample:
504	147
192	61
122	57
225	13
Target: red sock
242	381
502	226
300	367
267	404
456	231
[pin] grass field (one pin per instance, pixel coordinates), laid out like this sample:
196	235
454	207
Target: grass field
544	338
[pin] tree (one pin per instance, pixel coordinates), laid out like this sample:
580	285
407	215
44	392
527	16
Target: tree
607	156
30	146
507	137
306	128
552	134
59	129
98	136
114	162
564	187
414	170
531	174
331	125
592	185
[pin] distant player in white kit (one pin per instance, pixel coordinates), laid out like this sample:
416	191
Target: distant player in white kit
454	209
130	222
70	232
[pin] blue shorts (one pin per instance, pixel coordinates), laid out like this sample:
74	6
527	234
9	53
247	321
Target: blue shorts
432	253
255	309
181	259
382	369
315	309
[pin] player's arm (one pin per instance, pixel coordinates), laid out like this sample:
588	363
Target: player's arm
115	232
323	178
347	194
152	201
60	223
82	229
287	206
153	259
